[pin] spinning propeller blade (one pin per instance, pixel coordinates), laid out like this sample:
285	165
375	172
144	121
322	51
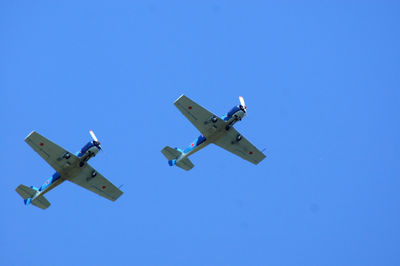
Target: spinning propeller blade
93	135
95	138
242	103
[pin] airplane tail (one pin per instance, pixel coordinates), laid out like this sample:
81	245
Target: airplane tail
173	154
27	193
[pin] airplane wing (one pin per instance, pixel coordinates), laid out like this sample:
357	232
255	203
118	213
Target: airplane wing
50	152
242	148
199	116
97	184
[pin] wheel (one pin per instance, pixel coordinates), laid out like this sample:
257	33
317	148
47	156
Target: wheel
227	127
94	173
214	119
67	155
81	164
239	137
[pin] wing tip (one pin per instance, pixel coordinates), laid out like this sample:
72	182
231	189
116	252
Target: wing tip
179	98
30	134
118	196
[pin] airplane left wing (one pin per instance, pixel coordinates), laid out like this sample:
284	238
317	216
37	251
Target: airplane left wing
97	184
242	148
50	152
198	115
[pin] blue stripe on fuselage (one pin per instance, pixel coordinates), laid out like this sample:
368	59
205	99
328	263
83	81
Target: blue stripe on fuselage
50	181
195	143
56	175
85	149
231	113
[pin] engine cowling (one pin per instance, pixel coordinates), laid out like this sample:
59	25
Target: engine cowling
92	151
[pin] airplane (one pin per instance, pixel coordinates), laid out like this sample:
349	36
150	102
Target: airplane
68	166
217	130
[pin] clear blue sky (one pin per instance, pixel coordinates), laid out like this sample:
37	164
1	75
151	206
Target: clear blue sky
321	82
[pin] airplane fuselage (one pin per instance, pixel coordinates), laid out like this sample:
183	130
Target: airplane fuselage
234	115
85	154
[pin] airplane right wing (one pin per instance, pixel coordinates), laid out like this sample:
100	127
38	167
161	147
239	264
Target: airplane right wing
50	152
242	148
97	184
199	116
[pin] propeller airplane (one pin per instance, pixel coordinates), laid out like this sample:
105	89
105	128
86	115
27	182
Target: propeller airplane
68	166
217	130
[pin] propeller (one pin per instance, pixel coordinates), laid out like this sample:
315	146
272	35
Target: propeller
97	142
243	104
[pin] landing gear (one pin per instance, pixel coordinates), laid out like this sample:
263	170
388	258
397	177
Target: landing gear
92	175
238	138
231	123
84	160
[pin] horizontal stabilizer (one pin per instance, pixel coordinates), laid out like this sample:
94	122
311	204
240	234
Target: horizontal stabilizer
185	164
170	153
41	202
173	158
25	192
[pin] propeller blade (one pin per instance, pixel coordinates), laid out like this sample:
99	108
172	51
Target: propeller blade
242	102
95	139
93	135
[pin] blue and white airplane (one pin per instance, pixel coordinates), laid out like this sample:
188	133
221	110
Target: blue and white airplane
68	166
215	130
